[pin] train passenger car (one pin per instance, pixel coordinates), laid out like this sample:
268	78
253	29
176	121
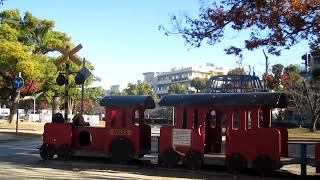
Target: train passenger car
124	137
250	141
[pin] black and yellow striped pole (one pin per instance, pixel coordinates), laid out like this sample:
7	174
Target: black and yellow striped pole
68	54
66	92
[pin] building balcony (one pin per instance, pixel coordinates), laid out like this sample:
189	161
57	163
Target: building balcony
180	79
165	81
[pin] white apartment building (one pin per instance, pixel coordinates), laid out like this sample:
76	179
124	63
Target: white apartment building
161	81
113	88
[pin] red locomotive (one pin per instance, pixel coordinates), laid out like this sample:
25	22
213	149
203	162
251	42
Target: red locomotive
196	138
121	139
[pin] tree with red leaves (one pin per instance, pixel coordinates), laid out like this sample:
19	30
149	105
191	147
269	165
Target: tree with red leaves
273	24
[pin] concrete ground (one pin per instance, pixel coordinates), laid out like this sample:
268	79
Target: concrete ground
19	159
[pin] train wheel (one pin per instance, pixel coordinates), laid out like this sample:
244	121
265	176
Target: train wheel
47	151
236	163
121	151
263	165
193	160
64	152
170	158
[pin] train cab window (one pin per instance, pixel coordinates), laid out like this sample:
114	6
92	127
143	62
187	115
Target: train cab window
248	120
135	117
195	119
184	118
260	122
211	118
235	121
173	115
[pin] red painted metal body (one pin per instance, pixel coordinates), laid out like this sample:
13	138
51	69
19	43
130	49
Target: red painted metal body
254	141
57	134
248	132
198	128
317	155
121	122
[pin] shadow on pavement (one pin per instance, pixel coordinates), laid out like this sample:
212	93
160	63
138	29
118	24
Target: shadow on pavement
30	165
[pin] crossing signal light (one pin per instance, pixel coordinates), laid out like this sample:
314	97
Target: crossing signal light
61	80
82	75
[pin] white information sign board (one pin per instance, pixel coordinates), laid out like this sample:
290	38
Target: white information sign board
181	137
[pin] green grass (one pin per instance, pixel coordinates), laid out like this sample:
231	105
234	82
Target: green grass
303	133
23	126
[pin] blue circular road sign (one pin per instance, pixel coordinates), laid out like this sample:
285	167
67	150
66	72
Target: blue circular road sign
18	82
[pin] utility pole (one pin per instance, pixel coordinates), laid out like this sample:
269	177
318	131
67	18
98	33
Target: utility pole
82	86
267	67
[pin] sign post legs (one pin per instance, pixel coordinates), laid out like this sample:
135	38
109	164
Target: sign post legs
17	122
18	83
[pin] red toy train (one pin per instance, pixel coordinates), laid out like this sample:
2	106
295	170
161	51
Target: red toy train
195	139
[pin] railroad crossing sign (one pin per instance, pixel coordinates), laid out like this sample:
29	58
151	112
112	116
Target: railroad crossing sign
18	82
68	54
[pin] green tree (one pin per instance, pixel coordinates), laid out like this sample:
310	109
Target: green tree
92	96
141	88
304	94
276	25
273	80
199	84
177	88
24	44
237	71
311	89
115	93
15	58
132	89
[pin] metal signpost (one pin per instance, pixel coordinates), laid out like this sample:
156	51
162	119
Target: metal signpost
82	87
33	97
18	82
68	54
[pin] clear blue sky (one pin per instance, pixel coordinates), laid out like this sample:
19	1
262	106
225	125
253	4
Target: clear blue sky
122	40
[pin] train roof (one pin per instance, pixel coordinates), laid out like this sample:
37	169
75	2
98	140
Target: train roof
128	100
263	99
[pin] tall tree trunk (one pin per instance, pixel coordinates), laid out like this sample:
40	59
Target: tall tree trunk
13	112
13	106
313	123
55	104
70	106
